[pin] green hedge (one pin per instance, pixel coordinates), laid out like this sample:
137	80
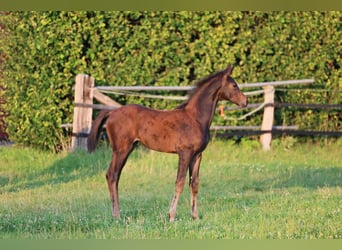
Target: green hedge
45	50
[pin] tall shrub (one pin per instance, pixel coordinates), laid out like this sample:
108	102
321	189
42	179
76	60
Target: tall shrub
45	50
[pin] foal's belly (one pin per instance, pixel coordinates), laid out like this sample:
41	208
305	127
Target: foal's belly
171	137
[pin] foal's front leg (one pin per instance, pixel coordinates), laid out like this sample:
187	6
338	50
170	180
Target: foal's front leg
183	164
194	183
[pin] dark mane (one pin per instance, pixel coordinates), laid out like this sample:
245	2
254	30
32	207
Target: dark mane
199	86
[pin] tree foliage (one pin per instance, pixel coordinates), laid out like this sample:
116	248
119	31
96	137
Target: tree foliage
44	51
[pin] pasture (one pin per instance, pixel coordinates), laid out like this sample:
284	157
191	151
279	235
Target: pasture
292	192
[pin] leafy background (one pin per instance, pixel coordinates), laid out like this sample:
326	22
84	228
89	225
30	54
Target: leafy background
44	51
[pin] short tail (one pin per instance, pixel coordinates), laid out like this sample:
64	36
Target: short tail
96	127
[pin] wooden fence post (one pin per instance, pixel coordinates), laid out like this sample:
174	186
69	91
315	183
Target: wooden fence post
82	115
267	120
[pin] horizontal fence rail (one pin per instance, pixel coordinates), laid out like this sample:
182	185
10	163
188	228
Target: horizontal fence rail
288	132
187	88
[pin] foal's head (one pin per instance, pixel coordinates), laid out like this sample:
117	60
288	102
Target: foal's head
230	90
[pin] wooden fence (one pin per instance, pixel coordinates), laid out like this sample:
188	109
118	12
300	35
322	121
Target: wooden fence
85	92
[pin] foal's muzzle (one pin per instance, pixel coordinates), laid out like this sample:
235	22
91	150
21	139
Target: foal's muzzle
243	102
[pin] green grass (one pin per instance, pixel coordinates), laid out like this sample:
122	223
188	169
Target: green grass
292	192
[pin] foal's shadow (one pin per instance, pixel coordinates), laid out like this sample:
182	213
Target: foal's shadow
74	166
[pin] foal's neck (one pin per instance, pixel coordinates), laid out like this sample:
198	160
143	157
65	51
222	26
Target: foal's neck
202	103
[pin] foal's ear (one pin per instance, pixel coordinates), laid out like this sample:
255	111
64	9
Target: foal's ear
229	70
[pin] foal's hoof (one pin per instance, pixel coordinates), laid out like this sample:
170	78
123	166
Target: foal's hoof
171	218
194	217
116	216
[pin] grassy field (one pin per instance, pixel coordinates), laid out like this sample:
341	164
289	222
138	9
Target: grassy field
292	192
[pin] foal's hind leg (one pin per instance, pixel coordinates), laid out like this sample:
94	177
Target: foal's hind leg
119	159
194	183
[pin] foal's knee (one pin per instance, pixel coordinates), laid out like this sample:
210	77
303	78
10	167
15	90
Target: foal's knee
194	184
109	176
180	185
